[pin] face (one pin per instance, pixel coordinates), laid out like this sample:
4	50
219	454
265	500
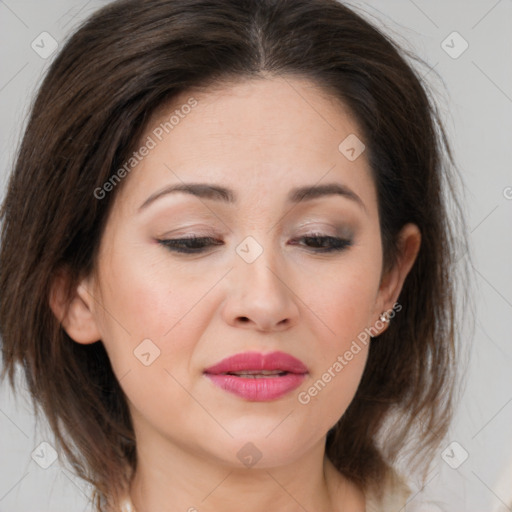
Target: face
246	264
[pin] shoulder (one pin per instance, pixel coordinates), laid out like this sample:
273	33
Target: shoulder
126	505
393	496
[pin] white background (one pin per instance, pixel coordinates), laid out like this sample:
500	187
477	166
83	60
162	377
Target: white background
475	96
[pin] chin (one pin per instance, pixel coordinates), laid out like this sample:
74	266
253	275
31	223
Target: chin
263	451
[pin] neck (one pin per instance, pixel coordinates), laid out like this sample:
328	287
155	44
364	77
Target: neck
173	478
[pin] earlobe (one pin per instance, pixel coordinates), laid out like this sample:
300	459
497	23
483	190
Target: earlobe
74	311
409	242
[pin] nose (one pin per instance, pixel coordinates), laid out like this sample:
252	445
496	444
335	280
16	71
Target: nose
261	296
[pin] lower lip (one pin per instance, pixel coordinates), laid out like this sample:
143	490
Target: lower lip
262	389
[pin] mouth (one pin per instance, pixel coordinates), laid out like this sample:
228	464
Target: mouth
256	374
258	377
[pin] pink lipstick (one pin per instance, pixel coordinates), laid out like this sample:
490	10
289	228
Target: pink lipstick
258	377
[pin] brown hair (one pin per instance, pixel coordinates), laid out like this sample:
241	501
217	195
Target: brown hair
121	66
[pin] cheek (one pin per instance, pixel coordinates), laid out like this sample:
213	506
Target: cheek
334	381
328	394
343	299
147	312
146	296
150	332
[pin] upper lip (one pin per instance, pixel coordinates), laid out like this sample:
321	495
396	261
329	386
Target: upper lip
255	361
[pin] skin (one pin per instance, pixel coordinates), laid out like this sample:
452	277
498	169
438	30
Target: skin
259	138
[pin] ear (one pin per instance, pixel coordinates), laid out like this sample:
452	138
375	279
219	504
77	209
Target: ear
409	241
75	310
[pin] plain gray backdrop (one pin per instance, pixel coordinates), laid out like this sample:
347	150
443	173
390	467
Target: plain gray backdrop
469	45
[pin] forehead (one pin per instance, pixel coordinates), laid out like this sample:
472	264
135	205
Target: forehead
264	135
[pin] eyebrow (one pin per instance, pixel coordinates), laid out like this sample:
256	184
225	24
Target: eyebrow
224	194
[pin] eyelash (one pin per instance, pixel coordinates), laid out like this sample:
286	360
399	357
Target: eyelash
183	245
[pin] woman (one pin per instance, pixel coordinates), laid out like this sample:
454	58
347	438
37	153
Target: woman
226	236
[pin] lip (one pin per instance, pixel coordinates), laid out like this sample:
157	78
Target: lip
258	388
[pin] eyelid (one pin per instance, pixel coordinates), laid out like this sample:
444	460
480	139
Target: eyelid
193	231
337	244
327	229
310	229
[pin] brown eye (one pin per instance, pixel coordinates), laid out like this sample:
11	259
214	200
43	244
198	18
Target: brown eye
190	245
323	243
